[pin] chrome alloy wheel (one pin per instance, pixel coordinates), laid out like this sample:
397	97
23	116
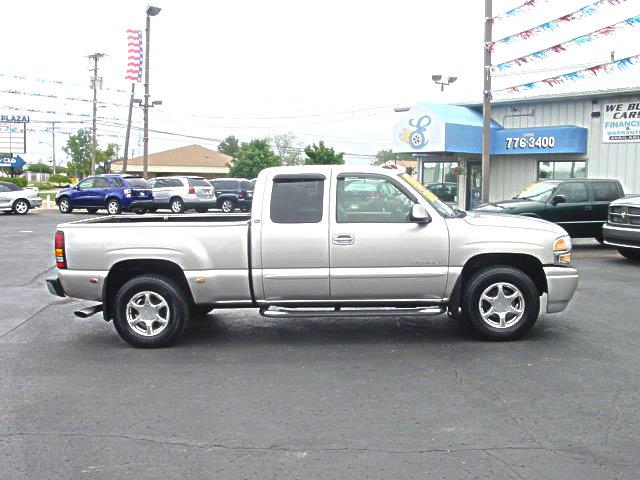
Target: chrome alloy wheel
112	207
148	313
176	206
64	205
227	206
21	207
501	305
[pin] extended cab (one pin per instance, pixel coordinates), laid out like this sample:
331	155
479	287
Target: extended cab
319	242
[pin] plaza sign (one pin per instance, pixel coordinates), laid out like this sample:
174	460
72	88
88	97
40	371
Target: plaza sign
14	118
621	123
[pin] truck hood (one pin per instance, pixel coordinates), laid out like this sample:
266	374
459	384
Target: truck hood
503	205
481	219
635	200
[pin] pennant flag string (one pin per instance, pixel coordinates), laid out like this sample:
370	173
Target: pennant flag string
561	47
56	82
526	6
551	25
50	95
595	70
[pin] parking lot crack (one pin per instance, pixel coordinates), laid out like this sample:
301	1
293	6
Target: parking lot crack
35	278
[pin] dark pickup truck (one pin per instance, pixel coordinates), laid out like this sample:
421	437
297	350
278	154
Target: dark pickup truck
577	205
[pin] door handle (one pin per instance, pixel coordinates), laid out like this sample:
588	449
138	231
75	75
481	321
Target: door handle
588	208
343	239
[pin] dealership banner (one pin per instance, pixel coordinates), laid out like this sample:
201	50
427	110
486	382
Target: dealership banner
621	122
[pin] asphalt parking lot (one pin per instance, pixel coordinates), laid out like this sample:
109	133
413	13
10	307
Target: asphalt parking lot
245	397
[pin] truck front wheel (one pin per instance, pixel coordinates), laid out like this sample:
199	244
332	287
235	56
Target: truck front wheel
150	311
500	303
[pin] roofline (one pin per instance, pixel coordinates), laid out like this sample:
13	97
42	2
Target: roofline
550	98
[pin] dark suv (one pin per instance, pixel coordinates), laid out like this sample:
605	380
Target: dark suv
577	205
233	193
113	193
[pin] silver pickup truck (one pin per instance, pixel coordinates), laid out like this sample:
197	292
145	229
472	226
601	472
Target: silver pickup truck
321	241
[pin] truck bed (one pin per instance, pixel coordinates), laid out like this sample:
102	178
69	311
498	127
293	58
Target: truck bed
163	218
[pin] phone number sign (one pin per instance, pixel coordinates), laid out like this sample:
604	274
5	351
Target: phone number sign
539	140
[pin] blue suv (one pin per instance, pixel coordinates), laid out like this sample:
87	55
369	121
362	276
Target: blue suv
114	193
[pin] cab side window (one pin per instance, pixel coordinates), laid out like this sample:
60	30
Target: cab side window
575	192
364	199
297	200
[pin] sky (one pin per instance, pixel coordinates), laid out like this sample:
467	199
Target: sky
321	70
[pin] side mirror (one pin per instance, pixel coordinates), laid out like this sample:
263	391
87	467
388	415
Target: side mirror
419	214
558	199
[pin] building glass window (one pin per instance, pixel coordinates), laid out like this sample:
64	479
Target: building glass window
562	170
439	177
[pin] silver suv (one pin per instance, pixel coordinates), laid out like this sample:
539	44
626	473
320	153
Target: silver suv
183	193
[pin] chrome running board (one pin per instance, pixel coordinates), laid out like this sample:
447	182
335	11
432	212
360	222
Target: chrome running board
284	312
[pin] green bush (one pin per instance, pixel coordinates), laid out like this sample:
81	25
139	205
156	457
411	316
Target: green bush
43	185
20	181
39	168
59	179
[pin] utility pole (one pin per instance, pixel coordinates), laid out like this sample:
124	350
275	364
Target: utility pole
126	138
53	144
94	84
145	155
486	105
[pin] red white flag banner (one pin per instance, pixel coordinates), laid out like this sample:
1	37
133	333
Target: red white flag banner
134	55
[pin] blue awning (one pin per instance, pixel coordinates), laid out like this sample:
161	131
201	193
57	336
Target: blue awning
436	128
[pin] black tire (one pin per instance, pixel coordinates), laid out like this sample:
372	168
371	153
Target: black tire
64	205
140	211
152	210
176	205
227	205
92	210
630	253
599	238
489	277
21	207
200	310
202	210
177	311
113	206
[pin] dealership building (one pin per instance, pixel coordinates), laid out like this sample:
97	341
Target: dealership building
582	135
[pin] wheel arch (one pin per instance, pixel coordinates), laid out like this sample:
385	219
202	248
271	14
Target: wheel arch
112	197
125	270
529	264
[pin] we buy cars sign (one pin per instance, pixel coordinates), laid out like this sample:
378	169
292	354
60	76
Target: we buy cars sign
621	123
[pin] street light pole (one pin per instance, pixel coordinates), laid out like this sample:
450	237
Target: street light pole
151	12
486	104
53	139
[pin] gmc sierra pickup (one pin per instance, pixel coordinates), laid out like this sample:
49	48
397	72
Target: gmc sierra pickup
320	241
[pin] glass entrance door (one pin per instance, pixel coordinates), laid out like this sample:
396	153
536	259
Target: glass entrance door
474	184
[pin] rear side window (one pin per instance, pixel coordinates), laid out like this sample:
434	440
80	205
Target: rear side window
198	182
225	184
117	181
604	191
246	185
137	182
297	201
101	183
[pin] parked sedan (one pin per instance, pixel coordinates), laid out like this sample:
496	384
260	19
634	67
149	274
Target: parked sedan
577	205
182	193
14	199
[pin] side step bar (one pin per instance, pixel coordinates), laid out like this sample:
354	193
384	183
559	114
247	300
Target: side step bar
88	311
284	312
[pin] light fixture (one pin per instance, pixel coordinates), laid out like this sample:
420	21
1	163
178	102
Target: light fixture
438	79
153	11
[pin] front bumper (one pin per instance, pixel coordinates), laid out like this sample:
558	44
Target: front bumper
55	287
562	283
626	237
35	202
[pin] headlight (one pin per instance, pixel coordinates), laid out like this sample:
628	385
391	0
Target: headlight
562	250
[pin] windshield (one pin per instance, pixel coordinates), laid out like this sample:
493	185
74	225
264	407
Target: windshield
538	192
442	208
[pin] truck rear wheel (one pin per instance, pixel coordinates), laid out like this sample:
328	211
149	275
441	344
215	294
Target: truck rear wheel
150	311
500	303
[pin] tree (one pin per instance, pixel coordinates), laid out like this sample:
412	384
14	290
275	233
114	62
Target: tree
39	168
79	149
58	179
287	149
321	155
229	146
384	156
252	158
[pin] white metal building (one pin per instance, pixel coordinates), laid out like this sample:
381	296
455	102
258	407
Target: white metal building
591	134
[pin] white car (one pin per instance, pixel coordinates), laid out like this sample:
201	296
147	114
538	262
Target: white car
182	193
18	200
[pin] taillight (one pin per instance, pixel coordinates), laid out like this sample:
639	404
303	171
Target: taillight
242	194
61	259
192	190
